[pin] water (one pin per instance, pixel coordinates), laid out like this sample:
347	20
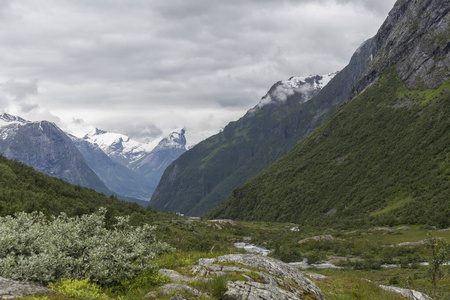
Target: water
250	248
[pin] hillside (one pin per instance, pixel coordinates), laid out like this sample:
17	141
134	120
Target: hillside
385	154
205	175
24	189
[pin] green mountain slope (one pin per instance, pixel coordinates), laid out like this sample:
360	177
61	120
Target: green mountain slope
384	157
24	189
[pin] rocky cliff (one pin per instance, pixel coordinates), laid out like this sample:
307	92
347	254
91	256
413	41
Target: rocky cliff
415	39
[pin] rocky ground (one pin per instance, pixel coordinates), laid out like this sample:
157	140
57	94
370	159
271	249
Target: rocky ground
10	289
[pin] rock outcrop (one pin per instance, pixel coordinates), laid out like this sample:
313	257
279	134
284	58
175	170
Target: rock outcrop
10	289
265	278
280	280
408	294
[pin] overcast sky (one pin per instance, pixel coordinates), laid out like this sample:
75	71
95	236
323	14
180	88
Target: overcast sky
146	67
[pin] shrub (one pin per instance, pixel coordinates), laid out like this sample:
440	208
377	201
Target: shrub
80	289
35	249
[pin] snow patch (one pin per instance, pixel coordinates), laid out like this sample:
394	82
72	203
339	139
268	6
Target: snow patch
117	144
305	86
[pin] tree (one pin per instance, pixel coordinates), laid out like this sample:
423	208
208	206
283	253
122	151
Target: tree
440	253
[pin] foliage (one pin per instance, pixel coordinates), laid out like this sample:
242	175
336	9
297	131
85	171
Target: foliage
385	151
36	249
80	289
24	189
440	253
214	287
138	287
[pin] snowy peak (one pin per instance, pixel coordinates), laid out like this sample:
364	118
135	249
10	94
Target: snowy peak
176	140
7	119
305	86
314	81
126	151
110	140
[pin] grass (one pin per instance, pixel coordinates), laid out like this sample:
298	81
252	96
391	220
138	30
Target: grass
349	284
395	204
372	247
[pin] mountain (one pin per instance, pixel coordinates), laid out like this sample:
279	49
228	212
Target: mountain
118	147
143	163
48	149
207	173
110	163
152	164
384	157
116	177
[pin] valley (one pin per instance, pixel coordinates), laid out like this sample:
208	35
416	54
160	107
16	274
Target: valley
333	186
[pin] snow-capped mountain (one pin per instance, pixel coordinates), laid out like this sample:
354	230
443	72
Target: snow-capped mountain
45	147
117	177
105	161
305	87
7	119
119	147
153	164
147	160
209	172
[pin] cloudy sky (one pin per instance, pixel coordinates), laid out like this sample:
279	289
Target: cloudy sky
146	67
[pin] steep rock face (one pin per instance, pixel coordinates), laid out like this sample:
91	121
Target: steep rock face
383	157
207	174
49	150
415	38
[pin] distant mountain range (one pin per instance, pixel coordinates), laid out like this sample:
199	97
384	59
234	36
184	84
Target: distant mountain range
110	163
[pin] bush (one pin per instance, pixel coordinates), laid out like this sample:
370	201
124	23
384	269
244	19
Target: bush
33	248
80	289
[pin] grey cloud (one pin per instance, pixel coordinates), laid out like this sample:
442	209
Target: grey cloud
144	133
19	90
185	57
378	7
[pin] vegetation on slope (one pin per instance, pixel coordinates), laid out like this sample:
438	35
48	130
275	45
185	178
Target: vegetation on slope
384	157
204	176
24	189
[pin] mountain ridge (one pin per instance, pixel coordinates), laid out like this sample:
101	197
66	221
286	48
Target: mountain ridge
50	150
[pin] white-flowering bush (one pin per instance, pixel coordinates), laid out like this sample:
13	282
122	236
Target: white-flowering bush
35	249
